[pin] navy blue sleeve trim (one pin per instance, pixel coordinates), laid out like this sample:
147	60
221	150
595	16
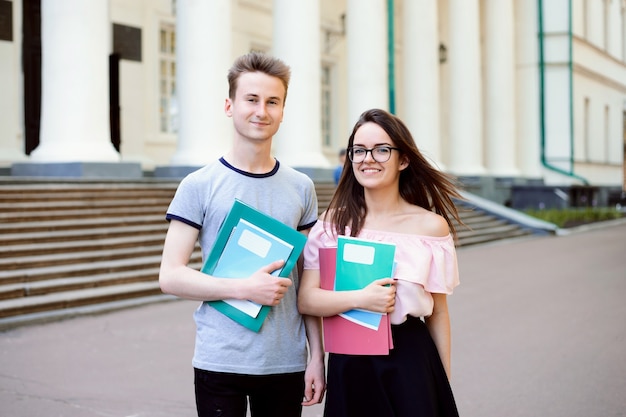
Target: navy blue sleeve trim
306	226
170	217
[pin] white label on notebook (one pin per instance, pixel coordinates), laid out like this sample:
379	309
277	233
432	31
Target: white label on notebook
358	254
254	243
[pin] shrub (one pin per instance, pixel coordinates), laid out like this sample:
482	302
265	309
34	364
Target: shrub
575	216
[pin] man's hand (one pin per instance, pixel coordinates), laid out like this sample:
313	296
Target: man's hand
314	382
266	289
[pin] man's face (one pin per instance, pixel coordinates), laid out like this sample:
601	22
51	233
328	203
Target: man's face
257	109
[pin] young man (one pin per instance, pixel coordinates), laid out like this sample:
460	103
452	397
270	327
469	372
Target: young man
233	364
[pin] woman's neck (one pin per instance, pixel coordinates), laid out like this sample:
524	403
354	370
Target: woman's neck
383	203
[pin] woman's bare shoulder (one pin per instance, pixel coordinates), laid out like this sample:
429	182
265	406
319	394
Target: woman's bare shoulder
426	223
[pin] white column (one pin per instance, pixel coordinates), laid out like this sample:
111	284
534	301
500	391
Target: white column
296	41
527	89
76	43
11	101
366	36
465	122
500	89
421	76
203	57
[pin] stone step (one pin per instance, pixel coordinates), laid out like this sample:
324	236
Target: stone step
57	205
77	298
13	185
38	195
14	244
37	288
478	223
76	257
477	238
493	231
81	241
34	225
81	269
20	216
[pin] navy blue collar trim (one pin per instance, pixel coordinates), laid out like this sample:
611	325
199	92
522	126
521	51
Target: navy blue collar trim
250	174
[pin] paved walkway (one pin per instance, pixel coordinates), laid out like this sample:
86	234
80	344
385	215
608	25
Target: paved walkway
539	329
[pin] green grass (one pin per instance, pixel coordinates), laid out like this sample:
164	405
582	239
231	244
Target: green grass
575	216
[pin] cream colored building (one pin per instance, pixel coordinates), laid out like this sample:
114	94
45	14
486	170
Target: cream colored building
498	92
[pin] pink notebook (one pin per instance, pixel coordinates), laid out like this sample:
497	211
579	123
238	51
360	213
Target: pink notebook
344	336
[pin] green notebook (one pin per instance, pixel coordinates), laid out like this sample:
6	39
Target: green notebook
249	239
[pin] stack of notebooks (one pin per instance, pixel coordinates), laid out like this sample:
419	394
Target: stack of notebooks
353	265
247	241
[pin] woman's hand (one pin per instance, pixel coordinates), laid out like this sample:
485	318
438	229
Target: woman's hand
379	296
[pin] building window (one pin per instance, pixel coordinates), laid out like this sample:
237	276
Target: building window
168	108
327	106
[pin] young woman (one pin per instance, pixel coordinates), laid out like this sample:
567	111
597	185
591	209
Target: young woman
391	193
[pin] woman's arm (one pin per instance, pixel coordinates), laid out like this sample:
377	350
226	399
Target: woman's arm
379	296
439	327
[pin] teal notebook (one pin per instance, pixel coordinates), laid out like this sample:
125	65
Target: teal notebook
359	263
248	240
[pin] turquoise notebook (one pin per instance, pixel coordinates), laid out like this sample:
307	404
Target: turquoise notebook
359	263
248	240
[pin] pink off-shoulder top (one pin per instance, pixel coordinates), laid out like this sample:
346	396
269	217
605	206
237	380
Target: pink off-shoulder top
424	265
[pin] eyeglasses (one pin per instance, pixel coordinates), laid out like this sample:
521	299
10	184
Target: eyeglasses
357	154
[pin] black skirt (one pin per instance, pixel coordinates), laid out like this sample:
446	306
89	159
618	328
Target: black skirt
409	382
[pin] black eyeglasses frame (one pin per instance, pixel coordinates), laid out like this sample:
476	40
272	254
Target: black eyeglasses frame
371	151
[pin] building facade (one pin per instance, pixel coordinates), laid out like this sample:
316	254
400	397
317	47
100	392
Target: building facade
501	93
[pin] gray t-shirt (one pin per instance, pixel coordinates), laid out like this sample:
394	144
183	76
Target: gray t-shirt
203	200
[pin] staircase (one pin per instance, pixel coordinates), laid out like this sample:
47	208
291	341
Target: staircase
75	247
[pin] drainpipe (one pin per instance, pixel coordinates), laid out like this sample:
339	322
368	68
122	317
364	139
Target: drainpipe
391	58
542	112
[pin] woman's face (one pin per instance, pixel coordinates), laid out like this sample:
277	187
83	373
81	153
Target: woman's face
370	139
